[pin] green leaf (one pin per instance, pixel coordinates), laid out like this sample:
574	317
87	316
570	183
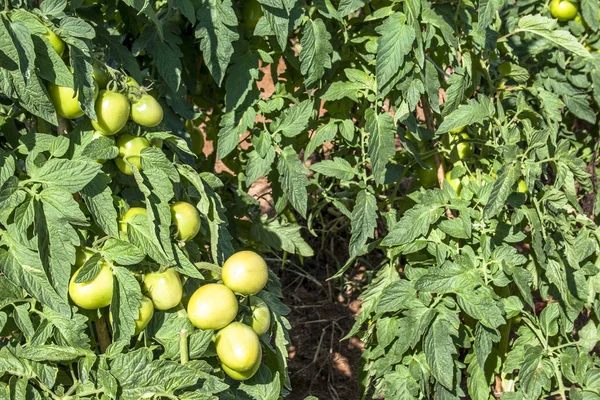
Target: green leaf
589	11
281	236
484	342
503	187
217	30
141	233
348	6
316	52
382	142
324	133
240	79
474	112
364	221
336	168
72	175
52	353
258	166
439	349
548	29
125	304
122	252
293	179
415	222
532	371
53	7
231	130
293	120
393	45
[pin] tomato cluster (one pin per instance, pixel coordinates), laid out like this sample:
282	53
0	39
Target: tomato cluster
213	306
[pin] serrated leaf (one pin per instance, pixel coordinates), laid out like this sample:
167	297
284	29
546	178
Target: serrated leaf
382	142
548	29
502	189
316	52
293	120
98	198
439	349
395	42
125	304
336	168
71	175
364	221
293	179
474	112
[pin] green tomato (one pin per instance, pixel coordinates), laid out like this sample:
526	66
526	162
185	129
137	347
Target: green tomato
130	146
460	149
427	177
93	294
196	136
245	272
128	215
100	76
187	220
260	320
146	111
252	12
65	101
212	306
57	43
243	375
522	186
456	131
164	288
455	183
238	347
563	10
145	314
112	110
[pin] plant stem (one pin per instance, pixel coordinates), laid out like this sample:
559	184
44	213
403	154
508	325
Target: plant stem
183	346
102	334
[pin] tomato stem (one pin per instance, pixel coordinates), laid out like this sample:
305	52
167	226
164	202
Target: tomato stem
183	346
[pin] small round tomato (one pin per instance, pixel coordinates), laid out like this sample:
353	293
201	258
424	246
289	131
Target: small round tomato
212	306
57	43
245	272
93	294
130	146
243	375
100	75
427	177
112	110
128	215
563	10
164	288
65	101
146	111
238	346
522	186
455	183
252	12
456	131
187	219
260	320
460	149
145	314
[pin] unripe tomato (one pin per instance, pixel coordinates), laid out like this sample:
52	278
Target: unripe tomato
243	375
146	111
563	10
245	272
460	150
251	12
164	288
131	82
238	346
145	314
57	44
456	131
94	294
112	110
522	186
196	137
187	219
455	183
260	320
100	76
128	215
64	100
427	177
131	147
212	306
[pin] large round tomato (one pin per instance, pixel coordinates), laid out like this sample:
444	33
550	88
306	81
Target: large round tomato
243	375
238	346
164	288
131	147
245	272
252	12
127	216
112	110
65	101
100	76
460	148
455	183
146	111
260	320
428	177
145	314
187	219
57	44
563	10
212	306
93	294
